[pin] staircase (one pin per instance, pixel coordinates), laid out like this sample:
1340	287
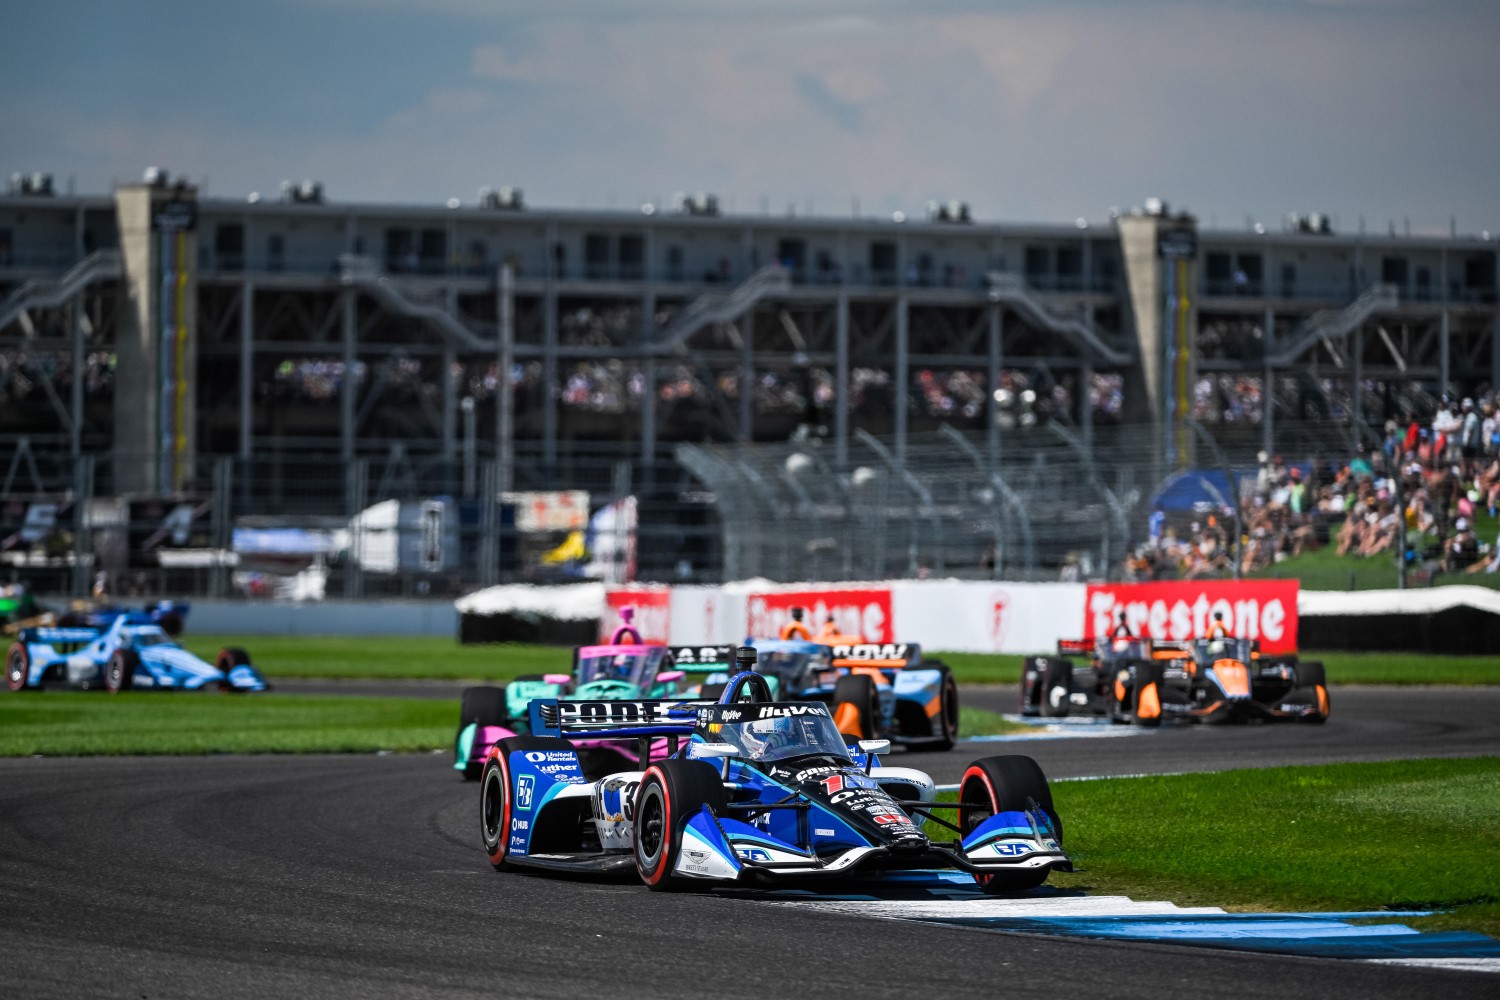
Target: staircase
722	307
1336	324
51	293
363	274
1012	291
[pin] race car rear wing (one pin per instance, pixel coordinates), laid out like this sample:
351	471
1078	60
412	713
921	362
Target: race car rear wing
53	635
703	659
877	654
611	719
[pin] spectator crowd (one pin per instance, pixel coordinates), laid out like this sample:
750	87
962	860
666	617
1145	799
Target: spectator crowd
1422	494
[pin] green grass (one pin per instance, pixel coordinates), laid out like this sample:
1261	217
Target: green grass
387	657
982	722
1396	836
437	658
78	723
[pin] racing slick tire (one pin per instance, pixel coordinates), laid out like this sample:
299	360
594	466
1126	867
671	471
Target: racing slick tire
671	793
1145	694
1312	678
230	657
172	623
947	709
17	667
494	793
1057	685
855	696
1005	784
119	672
483	706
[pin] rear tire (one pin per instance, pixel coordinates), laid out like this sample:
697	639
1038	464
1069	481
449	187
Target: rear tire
483	706
495	806
1145	694
119	672
1312	678
1005	784
1057	686
947	709
17	667
671	793
858	690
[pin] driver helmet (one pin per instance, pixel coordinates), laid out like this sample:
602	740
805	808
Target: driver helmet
764	737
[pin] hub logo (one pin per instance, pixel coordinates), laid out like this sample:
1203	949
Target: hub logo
525	785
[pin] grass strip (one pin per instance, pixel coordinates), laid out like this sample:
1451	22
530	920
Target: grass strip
1398	835
75	723
432	657
982	722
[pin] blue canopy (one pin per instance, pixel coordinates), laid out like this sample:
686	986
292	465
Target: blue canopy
1196	489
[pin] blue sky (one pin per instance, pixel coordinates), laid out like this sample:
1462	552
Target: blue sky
1028	110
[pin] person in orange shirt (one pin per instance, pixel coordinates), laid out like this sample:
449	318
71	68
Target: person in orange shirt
795	629
1217	629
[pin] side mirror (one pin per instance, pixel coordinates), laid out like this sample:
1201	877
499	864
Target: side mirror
875	746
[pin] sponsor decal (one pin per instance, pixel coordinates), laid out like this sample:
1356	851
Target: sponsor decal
1253	609
730	715
813	772
702	654
757	854
1014	849
551	769
822	832
520	824
832	783
539	756
889	819
776	711
604	712
525	786
517	842
871	651
865	612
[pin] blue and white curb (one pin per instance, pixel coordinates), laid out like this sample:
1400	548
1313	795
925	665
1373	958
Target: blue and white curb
1120	918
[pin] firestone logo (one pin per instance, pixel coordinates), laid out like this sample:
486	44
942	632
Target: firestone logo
1263	610
865	613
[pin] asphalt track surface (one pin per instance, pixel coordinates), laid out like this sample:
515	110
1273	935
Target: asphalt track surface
361	876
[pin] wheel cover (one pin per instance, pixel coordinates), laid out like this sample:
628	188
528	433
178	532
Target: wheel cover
650	825
15	669
113	672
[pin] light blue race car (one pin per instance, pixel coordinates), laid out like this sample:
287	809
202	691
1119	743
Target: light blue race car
132	652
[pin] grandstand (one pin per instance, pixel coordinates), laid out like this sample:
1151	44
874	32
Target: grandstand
295	357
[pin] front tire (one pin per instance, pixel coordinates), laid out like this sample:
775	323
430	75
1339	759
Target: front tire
671	793
856	706
1146	694
17	667
1005	784
119	672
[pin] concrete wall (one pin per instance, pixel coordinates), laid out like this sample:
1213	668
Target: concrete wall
366	618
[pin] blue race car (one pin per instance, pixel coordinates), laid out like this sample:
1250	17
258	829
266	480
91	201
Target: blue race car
754	792
874	690
131	652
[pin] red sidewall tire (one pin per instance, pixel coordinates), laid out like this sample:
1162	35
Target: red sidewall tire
974	784
656	779
496	770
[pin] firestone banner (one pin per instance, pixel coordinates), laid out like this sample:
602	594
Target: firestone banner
864	612
1252	609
